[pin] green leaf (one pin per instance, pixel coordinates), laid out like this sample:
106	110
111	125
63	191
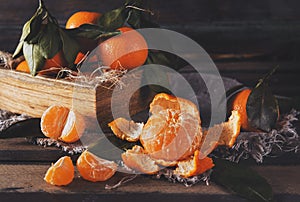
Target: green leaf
33	57
242	180
70	47
137	3
166	59
262	106
30	29
49	41
91	32
113	19
155	74
137	19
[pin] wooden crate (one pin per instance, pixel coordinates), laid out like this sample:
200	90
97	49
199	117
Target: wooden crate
25	94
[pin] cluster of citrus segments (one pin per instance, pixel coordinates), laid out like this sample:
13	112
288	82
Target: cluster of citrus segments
127	50
89	166
173	137
59	122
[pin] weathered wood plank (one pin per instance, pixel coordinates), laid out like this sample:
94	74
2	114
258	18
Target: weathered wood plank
20	150
24	181
24	94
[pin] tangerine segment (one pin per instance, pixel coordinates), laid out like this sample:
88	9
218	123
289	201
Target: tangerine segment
53	121
194	166
60	173
166	101
227	131
173	131
137	159
74	127
94	168
125	51
126	130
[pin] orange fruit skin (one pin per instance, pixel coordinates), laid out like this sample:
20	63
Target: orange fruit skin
53	120
239	104
137	159
23	67
80	56
82	17
94	168
58	61
173	131
194	166
124	51
61	173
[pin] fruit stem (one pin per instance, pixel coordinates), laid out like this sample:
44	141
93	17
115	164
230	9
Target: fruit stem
140	9
41	3
267	76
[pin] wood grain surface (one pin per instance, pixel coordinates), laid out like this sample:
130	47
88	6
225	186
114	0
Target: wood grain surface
24	94
23	182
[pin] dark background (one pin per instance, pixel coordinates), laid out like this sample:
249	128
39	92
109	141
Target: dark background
245	38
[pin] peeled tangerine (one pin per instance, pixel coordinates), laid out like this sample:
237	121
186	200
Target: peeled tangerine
173	136
59	122
61	173
173	131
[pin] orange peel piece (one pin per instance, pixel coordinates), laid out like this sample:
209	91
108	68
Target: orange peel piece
126	130
137	159
194	166
227	132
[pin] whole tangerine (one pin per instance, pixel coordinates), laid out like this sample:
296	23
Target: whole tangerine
82	17
125	51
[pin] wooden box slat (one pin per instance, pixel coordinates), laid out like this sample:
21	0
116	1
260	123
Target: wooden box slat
25	94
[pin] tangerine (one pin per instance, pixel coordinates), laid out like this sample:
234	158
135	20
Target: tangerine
94	168
52	65
60	173
82	17
125	51
74	127
173	131
53	120
23	67
79	18
59	122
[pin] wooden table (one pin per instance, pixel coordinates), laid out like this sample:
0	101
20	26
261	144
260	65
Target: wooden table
23	166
